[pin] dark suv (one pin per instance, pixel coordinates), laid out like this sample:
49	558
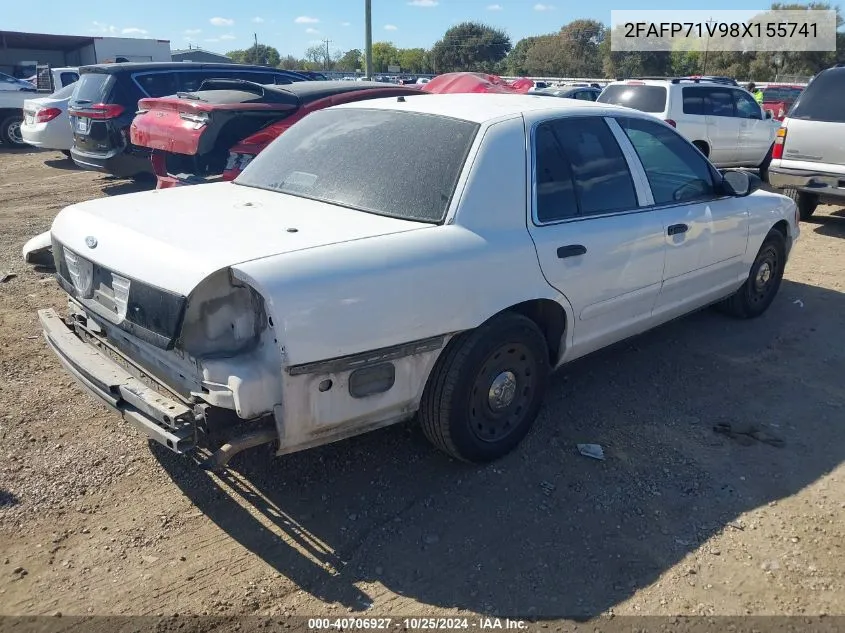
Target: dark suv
105	102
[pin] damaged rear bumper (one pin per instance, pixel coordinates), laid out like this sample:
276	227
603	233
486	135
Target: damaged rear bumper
166	420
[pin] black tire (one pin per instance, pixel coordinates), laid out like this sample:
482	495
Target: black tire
66	152
458	413
757	293
702	147
764	166
806	202
10	131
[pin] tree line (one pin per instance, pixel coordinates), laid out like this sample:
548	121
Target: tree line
579	49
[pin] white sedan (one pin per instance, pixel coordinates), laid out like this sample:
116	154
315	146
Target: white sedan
46	123
343	283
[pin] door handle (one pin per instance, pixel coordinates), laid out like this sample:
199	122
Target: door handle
573	250
677	229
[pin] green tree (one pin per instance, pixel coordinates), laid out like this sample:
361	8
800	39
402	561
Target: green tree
384	54
414	60
470	46
261	54
575	51
633	63
351	60
289	62
515	61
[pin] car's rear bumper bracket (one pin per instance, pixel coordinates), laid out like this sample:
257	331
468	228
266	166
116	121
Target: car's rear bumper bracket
163	419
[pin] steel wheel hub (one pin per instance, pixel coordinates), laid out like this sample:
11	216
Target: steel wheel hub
502	391
764	274
15	132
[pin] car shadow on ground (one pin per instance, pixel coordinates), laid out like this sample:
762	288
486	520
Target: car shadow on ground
546	532
62	162
118	187
830	225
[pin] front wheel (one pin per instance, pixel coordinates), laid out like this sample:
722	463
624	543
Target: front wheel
757	293
10	131
486	389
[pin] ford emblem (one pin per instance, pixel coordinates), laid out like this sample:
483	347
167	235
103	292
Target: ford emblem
91	241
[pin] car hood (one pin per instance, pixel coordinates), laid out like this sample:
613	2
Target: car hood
175	238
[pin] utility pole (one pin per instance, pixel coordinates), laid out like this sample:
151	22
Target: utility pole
326	64
368	44
706	46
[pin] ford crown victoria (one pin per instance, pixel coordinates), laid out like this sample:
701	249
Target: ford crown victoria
344	282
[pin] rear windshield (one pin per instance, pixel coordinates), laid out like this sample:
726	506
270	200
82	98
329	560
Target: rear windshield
644	98
398	164
63	93
93	88
822	100
781	94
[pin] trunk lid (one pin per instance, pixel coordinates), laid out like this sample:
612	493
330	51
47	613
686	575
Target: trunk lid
815	142
175	238
211	120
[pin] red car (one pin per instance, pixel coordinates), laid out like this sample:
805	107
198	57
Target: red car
476	82
778	98
213	133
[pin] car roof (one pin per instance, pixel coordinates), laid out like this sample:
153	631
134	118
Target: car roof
308	91
482	108
139	66
298	94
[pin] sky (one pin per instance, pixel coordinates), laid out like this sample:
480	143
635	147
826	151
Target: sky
293	25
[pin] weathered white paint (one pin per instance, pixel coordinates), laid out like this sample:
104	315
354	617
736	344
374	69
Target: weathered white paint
349	282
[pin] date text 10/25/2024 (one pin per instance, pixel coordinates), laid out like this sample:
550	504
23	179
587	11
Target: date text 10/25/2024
416	624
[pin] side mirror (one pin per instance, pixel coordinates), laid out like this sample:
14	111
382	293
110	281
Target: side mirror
769	114
740	183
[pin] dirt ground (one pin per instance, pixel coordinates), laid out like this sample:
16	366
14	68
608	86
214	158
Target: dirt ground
678	519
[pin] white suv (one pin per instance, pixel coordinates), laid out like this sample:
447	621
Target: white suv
809	157
723	121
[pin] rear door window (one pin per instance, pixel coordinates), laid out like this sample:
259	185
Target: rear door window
640	97
695	101
822	100
719	102
580	170
158	84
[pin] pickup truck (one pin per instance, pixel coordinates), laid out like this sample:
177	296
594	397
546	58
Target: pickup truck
11	104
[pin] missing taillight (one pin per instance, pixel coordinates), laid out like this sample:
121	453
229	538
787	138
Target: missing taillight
197	118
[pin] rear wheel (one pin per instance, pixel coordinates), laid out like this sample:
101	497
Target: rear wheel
10	131
66	152
702	147
486	389
806	202
757	293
